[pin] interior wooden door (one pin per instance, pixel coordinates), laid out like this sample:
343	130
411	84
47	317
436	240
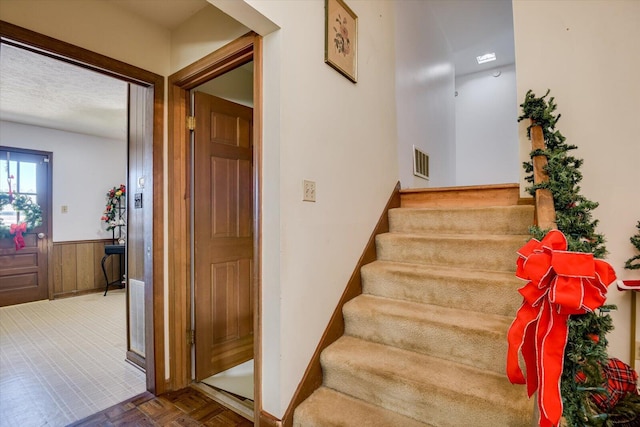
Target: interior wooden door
223	234
23	272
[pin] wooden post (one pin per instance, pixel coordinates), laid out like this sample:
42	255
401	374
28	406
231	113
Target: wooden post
545	211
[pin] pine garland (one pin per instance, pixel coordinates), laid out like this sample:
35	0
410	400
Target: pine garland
586	347
586	351
633	263
573	210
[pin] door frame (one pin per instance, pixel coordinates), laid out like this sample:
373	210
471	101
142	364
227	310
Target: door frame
238	52
154	83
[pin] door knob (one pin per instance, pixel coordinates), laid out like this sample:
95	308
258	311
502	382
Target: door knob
41	235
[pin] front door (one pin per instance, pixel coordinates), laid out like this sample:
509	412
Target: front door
223	234
23	270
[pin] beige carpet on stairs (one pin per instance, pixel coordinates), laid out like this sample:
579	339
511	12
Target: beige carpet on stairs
425	344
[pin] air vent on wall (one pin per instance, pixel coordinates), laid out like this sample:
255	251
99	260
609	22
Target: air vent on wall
136	316
420	163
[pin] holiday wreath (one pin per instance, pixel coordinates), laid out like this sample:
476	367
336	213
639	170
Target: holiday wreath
29	214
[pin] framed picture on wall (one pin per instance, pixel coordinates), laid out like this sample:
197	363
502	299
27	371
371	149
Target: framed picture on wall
341	38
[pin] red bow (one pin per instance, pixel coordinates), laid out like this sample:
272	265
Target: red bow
560	283
18	229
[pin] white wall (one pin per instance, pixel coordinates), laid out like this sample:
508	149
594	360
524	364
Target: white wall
235	86
424	95
85	167
587	54
344	139
487	147
97	25
203	33
319	126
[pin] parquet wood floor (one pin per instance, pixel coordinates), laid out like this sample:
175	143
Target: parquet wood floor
187	407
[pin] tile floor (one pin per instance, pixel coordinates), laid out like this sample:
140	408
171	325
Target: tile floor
63	360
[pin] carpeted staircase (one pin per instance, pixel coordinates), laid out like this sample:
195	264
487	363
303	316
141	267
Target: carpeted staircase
425	344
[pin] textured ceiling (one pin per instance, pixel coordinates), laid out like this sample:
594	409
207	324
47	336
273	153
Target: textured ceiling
41	91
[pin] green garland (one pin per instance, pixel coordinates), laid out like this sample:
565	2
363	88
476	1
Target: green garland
573	210
30	212
633	263
586	347
586	351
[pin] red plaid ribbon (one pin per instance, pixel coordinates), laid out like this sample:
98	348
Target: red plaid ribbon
621	380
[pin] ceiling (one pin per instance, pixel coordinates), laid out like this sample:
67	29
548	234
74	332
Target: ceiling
45	92
166	13
476	27
41	91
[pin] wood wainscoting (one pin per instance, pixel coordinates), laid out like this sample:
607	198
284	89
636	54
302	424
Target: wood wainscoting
77	269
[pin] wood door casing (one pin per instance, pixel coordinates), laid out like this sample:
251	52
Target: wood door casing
223	234
24	273
154	122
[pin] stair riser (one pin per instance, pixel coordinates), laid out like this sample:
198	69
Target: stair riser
445	341
328	408
502	220
444	291
423	402
497	253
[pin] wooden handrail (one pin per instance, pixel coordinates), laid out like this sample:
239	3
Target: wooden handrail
545	211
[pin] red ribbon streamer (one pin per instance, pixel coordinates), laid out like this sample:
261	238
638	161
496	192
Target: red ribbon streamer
18	229
560	283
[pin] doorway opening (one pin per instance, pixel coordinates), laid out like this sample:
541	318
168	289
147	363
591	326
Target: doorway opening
145	99
222	236
218	166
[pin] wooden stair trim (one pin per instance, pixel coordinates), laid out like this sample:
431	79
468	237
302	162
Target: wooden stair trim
268	420
464	196
545	213
312	378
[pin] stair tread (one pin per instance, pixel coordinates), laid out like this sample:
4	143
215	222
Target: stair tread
455	236
472	220
444	286
445	271
488	251
522	208
443	332
427	313
329	408
422	372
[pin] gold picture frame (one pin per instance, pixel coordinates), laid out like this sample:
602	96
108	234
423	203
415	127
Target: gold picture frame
341	38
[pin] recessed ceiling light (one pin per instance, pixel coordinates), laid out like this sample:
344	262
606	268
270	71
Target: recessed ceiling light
487	57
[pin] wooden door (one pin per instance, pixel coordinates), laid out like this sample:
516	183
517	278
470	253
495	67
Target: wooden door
23	272
223	234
